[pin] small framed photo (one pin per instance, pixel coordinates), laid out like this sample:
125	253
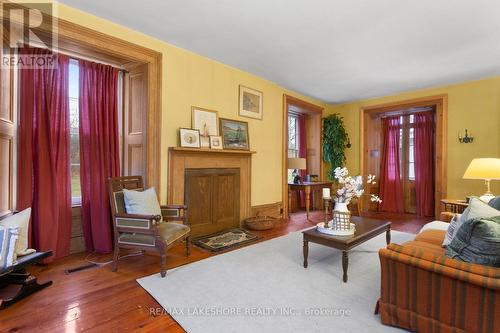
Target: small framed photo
251	103
215	142
234	134
205	121
189	137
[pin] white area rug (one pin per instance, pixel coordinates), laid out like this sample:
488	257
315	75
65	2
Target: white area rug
264	288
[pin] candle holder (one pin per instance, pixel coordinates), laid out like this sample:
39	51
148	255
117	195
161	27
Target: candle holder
326	203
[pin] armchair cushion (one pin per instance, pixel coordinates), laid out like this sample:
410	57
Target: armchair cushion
142	202
169	232
21	221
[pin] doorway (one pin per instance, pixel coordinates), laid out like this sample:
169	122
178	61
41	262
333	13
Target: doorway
295	111
403	115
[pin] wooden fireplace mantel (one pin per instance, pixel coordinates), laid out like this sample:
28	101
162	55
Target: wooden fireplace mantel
184	161
212	151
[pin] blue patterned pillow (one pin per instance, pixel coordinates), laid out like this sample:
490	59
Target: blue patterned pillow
477	241
8	242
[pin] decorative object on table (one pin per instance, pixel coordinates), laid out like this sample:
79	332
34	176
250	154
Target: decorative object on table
295	164
225	239
335	140
466	138
352	187
251	103
313	178
205	121
234	134
215	142
260	222
189	138
486	169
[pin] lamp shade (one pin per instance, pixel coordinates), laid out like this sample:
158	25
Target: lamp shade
483	168
297	163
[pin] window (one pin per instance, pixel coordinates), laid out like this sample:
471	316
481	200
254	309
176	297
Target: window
293	144
74	131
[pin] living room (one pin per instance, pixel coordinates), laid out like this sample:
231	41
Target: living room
206	167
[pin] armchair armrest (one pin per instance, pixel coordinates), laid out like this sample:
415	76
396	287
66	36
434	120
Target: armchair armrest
175	213
137	223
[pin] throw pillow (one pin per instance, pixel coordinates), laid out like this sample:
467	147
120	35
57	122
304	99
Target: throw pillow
451	230
477	241
20	220
8	240
476	209
436	225
142	202
495	203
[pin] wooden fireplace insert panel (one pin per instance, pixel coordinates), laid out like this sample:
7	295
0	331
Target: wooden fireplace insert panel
212	196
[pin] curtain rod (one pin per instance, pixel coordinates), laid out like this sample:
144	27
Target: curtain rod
405	112
78	56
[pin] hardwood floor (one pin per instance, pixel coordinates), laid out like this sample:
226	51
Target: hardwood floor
98	300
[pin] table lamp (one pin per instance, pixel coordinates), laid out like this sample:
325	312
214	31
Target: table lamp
486	169
297	164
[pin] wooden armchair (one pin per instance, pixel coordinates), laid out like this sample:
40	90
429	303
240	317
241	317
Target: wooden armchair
145	232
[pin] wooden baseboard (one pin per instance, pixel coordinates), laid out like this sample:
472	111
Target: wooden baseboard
273	209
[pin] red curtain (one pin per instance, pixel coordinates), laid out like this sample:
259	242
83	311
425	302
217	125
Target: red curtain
99	150
424	162
302	145
43	165
391	191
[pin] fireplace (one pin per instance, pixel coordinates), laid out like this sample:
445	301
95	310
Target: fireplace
214	184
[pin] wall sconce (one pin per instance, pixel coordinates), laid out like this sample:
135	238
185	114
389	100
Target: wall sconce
466	138
348	144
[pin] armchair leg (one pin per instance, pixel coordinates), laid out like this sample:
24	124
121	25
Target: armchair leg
188	246
163	264
116	253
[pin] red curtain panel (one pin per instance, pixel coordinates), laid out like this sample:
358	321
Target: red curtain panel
424	137
391	190
43	166
302	140
99	150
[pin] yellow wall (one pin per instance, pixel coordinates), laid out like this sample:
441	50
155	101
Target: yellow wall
474	105
193	80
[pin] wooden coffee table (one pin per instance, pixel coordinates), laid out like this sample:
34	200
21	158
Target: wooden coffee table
366	229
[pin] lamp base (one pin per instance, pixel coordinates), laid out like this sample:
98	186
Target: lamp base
486	197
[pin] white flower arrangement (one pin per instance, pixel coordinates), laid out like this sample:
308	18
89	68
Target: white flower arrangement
352	186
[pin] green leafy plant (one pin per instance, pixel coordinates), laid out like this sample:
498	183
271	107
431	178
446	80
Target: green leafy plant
335	139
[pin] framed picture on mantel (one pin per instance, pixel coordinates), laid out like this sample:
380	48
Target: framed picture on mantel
204	121
234	134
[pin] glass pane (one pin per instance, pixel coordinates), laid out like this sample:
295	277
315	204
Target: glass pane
412	118
411	154
292	132
411	171
74	128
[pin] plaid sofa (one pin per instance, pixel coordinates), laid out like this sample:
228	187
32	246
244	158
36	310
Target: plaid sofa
422	290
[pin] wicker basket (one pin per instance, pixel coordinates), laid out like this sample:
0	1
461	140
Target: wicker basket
260	222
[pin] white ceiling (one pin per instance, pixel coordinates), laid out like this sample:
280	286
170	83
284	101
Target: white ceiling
334	50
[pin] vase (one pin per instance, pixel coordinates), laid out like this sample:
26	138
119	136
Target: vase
341	216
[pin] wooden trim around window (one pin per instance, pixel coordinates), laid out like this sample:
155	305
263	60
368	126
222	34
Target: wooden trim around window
440	102
307	108
78	39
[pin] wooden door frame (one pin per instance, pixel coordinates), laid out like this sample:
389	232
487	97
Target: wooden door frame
85	41
440	102
312	109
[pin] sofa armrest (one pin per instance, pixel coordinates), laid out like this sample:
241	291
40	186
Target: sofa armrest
480	275
446	216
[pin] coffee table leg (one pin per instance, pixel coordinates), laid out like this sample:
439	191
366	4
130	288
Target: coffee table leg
345	264
388	236
305	249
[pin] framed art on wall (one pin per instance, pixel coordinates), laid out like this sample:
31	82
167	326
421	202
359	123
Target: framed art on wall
215	142
189	137
234	134
205	121
251	103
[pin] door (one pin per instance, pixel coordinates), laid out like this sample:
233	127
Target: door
407	160
212	197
